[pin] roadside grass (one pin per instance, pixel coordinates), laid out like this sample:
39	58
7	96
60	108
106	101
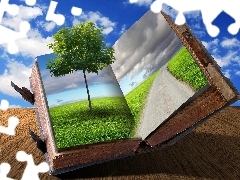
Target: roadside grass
136	99
73	124
183	67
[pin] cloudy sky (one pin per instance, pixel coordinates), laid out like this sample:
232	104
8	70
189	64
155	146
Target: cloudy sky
115	17
71	87
143	49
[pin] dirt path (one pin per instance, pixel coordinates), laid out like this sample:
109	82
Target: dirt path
166	95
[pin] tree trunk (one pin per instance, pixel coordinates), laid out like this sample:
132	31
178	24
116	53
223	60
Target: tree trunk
90	106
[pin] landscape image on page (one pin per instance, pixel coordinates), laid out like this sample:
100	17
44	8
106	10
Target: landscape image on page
155	71
73	122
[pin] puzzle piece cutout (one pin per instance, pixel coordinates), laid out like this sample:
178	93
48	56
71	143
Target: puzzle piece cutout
210	10
31	171
12	124
6	33
51	16
4	170
9	36
12	121
12	9
4	105
59	18
76	11
30	2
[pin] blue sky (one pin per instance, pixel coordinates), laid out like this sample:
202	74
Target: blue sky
115	17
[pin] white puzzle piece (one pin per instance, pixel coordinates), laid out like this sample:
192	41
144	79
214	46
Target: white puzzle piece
31	171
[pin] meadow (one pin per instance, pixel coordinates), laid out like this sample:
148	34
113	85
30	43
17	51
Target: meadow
184	68
73	124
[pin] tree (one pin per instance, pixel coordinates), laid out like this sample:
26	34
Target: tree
80	47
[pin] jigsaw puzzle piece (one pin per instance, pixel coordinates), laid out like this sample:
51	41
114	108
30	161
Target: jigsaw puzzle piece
232	9
234	28
30	2
12	124
4	170
51	16
31	171
4	105
208	15
12	9
76	11
9	36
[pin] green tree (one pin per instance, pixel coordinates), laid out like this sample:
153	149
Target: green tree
80	47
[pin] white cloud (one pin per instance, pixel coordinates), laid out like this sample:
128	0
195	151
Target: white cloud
215	42
146	45
53	85
25	14
212	46
123	29
17	73
15	106
47	26
206	45
34	44
71	86
196	15
238	73
107	30
98	19
169	11
227	73
198	30
199	33
230	43
194	18
225	60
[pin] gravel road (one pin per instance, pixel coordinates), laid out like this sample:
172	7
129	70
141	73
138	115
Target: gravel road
166	95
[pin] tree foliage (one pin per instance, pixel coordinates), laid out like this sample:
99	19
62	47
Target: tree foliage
80	47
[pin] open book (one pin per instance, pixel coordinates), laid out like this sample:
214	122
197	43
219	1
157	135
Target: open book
162	85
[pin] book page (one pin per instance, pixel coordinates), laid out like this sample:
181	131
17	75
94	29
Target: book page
85	110
155	71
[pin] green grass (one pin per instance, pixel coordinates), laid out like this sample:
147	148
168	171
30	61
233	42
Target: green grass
137	97
73	124
111	118
183	67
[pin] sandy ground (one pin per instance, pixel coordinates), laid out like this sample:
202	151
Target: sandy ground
166	95
212	151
